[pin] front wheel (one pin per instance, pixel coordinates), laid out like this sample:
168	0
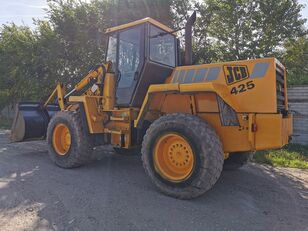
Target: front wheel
69	145
182	155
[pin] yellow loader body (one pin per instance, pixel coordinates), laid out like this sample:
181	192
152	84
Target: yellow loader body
257	97
187	121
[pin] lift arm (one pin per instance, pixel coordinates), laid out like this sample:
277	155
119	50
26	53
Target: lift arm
97	74
59	91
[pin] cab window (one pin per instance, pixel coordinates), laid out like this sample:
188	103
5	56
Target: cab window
162	47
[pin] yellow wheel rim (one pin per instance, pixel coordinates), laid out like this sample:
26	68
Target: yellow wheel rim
61	139
173	158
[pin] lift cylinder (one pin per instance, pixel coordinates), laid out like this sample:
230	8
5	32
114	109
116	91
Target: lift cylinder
109	92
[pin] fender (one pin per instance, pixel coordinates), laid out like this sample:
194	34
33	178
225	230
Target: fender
183	89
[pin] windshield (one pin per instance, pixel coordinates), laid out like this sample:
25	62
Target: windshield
162	47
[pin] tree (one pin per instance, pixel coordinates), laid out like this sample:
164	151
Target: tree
16	56
79	28
295	58
246	29
28	62
124	11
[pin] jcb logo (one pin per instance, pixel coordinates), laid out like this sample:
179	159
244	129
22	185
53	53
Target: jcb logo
234	74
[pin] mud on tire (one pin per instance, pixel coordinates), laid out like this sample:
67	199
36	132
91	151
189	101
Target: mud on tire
207	149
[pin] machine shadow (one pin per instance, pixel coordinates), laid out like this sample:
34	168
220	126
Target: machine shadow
114	192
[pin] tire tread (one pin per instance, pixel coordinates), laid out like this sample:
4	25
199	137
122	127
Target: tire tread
81	153
212	163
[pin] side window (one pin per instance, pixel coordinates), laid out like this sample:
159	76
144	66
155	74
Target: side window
129	55
162	47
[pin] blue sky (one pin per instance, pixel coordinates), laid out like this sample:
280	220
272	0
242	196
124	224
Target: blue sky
305	10
22	11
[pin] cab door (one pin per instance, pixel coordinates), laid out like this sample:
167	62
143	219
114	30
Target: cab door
129	62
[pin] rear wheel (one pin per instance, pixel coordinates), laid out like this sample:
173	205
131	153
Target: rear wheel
69	145
182	155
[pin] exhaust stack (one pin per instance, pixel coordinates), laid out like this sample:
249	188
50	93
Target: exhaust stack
188	39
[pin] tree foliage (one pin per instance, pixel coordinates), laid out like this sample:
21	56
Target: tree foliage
71	39
295	58
247	29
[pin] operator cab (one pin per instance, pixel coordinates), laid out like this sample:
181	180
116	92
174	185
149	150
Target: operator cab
143	52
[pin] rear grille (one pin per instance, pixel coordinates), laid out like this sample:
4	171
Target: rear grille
280	86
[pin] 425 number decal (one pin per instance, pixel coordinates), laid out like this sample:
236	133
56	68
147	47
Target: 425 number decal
242	88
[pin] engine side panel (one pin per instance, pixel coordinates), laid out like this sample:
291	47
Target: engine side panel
250	83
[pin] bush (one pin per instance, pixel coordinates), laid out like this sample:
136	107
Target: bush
300	79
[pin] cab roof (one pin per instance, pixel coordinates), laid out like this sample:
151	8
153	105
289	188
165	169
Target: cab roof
138	22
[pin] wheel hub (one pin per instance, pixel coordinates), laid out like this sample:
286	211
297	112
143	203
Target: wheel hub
61	139
179	154
173	158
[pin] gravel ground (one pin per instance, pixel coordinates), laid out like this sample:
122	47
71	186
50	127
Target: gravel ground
114	193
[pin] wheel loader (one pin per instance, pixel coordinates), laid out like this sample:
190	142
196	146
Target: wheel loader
188	121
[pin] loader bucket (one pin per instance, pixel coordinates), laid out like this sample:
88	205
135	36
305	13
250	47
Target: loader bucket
31	121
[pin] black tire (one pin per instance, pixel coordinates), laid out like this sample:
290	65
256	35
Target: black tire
81	147
207	149
236	160
127	152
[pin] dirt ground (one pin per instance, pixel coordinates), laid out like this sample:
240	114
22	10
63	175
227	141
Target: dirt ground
115	194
